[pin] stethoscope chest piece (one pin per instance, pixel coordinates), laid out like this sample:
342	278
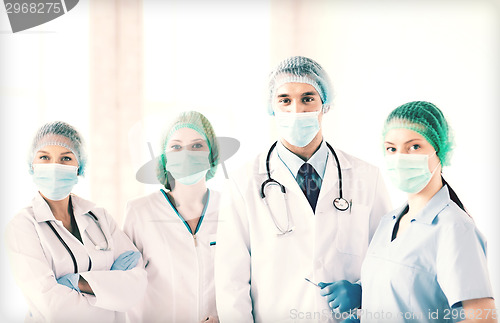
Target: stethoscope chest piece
341	204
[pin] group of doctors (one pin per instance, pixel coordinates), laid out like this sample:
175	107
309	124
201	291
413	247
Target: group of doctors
303	233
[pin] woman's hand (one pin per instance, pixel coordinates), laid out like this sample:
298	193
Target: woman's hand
127	260
70	280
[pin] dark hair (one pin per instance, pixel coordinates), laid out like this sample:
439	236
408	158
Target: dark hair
454	196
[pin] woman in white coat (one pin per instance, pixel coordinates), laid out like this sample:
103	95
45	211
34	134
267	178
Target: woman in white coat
427	259
71	261
175	227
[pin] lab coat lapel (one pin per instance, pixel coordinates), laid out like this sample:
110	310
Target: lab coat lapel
330	185
80	208
41	209
282	174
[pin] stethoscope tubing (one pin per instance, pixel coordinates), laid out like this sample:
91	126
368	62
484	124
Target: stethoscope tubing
75	264
339	203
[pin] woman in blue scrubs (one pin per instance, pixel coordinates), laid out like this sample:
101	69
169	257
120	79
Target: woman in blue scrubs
427	260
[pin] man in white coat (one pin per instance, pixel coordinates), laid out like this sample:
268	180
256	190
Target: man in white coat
304	223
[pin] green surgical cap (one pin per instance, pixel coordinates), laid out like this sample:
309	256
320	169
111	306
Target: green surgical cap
300	69
198	122
59	133
427	120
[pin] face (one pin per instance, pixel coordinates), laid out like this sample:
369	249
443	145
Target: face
186	138
297	97
405	141
55	154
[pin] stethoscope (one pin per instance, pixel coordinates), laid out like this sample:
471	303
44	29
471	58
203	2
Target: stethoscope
75	264
340	203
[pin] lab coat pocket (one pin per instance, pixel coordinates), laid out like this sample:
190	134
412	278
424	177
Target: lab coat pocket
353	230
212	244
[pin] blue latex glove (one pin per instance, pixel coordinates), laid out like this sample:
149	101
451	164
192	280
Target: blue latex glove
341	294
126	260
70	280
350	320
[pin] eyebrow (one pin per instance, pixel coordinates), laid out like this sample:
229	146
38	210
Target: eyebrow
45	152
282	95
309	93
199	139
416	139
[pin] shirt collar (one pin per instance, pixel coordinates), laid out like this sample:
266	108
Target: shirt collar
436	204
43	213
294	162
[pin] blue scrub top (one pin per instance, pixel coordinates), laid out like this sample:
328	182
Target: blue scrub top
425	273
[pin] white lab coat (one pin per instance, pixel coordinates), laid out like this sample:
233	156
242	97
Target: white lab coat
38	258
259	275
180	273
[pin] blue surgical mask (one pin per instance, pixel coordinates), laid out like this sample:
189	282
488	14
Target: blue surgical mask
409	172
186	166
55	181
298	129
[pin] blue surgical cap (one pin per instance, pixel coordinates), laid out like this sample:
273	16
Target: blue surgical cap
300	69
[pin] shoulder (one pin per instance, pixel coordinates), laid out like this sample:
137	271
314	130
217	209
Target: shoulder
456	226
251	171
22	226
252	166
355	162
25	218
144	207
452	217
145	200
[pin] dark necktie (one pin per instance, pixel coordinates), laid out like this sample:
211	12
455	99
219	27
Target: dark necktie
305	176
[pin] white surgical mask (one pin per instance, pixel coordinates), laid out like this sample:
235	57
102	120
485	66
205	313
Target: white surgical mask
409	172
298	129
186	166
55	181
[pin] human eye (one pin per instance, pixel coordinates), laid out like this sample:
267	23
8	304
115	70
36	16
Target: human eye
414	147
44	157
176	147
308	99
66	158
391	150
284	101
197	146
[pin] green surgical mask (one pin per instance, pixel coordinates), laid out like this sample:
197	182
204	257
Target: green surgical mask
409	172
186	166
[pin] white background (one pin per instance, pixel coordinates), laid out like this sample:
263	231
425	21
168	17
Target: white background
214	57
